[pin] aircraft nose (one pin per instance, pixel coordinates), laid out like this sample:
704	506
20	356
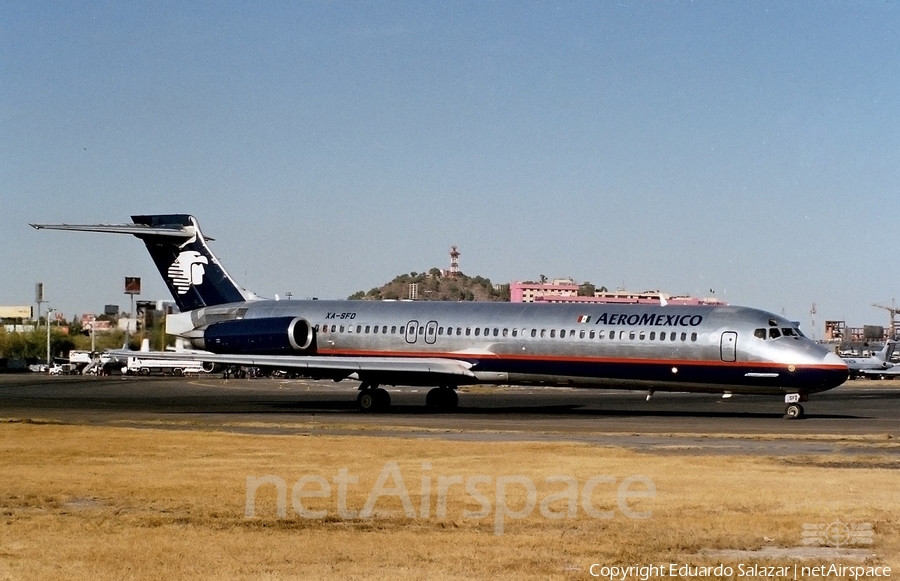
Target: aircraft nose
837	370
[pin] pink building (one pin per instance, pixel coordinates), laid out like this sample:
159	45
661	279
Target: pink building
566	291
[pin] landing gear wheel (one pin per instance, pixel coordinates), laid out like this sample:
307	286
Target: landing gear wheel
382	399
442	399
793	411
366	400
373	400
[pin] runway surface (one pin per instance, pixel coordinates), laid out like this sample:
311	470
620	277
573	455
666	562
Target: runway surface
860	416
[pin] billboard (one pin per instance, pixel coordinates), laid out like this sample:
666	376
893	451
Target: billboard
16	312
132	285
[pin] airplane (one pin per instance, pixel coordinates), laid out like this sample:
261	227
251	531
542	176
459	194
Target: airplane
876	363
442	345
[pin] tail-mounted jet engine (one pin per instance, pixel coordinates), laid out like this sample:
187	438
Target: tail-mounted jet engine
269	336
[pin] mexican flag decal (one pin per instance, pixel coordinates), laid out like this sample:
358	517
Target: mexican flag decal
584	319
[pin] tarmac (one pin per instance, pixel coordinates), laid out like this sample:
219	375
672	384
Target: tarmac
860	417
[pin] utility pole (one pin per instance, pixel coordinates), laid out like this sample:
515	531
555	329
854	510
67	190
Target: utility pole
812	315
49	310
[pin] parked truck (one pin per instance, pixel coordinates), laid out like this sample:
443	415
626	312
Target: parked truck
137	365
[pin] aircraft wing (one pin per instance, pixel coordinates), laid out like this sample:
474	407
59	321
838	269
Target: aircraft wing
341	366
889	372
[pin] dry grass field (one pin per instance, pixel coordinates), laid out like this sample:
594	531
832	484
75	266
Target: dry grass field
82	502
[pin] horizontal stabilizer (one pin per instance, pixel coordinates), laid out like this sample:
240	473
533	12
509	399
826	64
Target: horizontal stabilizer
140	230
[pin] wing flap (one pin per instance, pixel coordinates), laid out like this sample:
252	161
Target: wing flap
348	365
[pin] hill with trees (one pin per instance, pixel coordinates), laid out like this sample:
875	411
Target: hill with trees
435	286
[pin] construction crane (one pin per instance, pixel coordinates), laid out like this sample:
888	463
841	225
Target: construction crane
894	324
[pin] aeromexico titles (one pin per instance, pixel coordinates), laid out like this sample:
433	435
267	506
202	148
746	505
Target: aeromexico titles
723	349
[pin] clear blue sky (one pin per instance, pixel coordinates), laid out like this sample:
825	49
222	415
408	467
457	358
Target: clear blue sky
751	148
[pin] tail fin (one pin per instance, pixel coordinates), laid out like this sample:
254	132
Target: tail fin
192	272
887	351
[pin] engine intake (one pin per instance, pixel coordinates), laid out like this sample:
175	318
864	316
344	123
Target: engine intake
269	336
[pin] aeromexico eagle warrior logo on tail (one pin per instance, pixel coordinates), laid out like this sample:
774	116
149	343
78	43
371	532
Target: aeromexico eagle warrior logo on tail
187	270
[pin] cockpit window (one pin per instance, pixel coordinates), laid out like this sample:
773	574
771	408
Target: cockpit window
787	332
759	333
774	333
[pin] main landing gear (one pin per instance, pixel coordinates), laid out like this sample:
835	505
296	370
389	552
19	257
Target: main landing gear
793	410
372	398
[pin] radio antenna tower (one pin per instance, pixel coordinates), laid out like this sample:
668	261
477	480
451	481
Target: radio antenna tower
454	261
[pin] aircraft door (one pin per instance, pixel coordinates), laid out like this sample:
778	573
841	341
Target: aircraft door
412	331
431	332
728	346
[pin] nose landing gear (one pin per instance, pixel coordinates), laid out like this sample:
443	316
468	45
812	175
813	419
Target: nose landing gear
793	410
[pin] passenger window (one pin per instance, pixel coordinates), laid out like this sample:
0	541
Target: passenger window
468	331
440	330
543	333
367	328
673	336
612	334
342	328
487	331
316	329
515	332
496	331
384	330
599	334
421	330
693	336
684	336
774	333
459	330
591	335
552	333
631	335
534	332
359	328
477	331
403	330
581	334
506	332
641	336
759	333
653	335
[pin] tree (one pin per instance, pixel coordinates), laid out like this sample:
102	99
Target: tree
586	289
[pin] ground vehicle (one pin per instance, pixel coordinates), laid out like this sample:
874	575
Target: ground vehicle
147	365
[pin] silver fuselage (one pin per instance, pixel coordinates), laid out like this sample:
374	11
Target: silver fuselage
678	348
